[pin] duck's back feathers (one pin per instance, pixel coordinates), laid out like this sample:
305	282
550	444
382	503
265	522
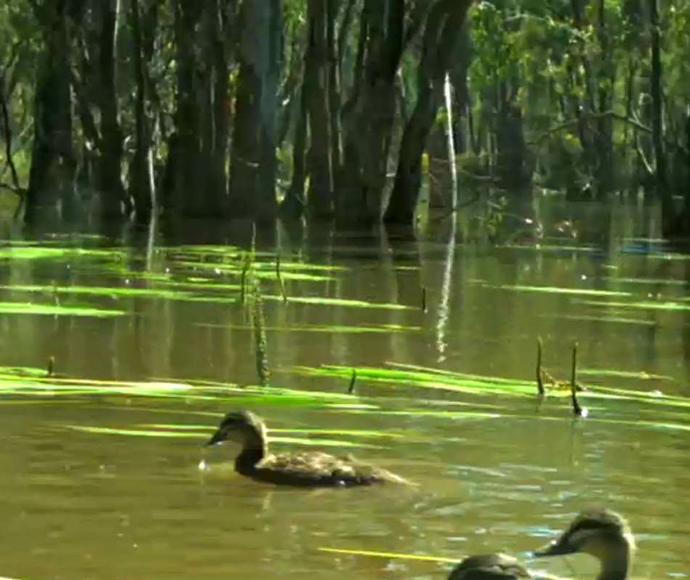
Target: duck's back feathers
490	567
320	469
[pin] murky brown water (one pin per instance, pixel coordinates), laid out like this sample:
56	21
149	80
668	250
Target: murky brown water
79	505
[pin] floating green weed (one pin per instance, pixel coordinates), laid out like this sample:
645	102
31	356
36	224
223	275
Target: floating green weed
644	375
331	329
644	305
318	300
647	281
43	252
443	380
116	291
610	319
177	434
388	555
556	290
56	310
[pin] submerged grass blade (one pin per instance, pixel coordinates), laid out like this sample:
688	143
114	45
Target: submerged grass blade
110	291
334	329
133	432
611	319
443	380
190	434
323	301
642	305
55	310
372	553
643	375
556	290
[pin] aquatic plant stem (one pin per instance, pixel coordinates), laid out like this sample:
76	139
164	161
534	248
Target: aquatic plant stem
540	384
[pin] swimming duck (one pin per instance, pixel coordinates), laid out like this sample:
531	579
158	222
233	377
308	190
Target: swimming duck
490	567
307	469
601	533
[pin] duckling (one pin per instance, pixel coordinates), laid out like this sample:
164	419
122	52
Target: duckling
601	533
308	469
489	567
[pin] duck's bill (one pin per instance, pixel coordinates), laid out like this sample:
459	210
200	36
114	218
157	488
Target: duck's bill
555	549
217	439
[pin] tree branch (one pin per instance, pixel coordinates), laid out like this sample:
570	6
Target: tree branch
590	117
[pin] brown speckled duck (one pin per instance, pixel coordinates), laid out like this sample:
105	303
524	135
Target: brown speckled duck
490	567
601	533
306	469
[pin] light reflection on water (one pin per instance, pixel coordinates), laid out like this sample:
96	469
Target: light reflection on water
79	505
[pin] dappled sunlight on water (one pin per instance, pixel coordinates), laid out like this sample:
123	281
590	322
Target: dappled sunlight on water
100	463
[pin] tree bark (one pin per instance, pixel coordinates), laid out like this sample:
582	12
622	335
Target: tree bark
293	204
657	100
370	122
141	184
253	156
184	156
440	37
53	160
316	88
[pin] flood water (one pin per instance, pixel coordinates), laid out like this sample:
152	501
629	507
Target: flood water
101	479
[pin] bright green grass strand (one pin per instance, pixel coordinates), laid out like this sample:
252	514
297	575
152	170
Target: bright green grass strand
557	290
54	310
644	305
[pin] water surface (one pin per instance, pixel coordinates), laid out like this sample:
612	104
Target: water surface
495	471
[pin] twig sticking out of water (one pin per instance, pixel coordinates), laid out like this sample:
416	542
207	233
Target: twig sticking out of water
248	259
578	411
260	341
51	366
423	299
56	296
540	384
353	380
280	280
246	266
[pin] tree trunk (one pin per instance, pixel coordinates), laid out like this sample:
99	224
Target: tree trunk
605	84
293	204
370	123
184	156
459	77
316	88
657	101
511	151
253	156
53	160
141	184
110	160
440	38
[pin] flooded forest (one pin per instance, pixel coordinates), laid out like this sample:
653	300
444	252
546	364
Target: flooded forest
344	289
345	110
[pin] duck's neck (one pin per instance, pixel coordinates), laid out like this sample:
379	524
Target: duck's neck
616	564
255	448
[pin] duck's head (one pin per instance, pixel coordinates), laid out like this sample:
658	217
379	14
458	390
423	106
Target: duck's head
238	426
600	533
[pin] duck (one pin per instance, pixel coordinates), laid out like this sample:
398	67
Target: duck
490	567
602	533
306	469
